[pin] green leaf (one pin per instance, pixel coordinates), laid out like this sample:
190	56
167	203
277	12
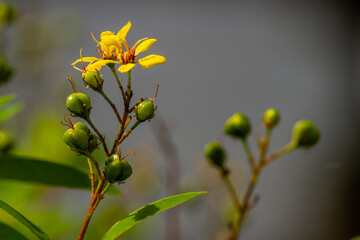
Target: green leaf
5	99
18	216
50	173
11	110
356	238
147	211
8	233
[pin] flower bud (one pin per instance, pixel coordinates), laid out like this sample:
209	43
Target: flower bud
215	154
6	142
237	126
7	13
144	111
6	71
271	118
117	170
305	134
77	138
79	105
93	80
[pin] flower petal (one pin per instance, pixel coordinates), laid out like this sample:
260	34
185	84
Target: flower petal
86	59
123	31
151	60
96	66
144	46
126	67
110	40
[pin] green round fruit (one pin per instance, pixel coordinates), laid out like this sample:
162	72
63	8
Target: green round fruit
6	71
271	118
145	111
7	13
117	170
79	105
237	126
6	142
77	137
305	134
215	154
93	80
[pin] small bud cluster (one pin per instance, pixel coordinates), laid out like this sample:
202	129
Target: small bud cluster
304	134
78	137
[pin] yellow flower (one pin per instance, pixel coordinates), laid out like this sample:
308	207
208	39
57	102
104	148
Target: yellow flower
111	50
128	57
95	64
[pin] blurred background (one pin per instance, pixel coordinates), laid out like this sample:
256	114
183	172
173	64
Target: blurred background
301	57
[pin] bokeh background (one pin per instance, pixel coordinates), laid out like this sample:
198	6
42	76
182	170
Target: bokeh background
301	57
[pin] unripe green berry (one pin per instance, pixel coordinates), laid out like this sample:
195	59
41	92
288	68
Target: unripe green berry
305	134
6	142
93	142
144	111
237	126
7	13
271	118
93	80
77	138
215	154
79	105
6	71
117	170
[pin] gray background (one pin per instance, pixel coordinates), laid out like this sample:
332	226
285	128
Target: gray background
301	57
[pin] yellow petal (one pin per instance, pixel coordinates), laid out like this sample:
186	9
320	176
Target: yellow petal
96	66
110	40
95	39
86	59
123	31
144	46
151	60
106	33
126	67
139	41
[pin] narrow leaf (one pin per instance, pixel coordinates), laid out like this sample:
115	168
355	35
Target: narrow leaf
18	216
147	211
49	173
8	233
11	110
5	99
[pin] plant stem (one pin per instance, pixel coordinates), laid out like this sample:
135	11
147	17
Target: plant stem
92	177
286	149
231	189
127	100
125	135
101	138
94	203
248	152
112	105
88	154
118	82
129	83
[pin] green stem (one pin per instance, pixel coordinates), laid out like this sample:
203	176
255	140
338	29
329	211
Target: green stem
231	189
129	84
125	135
101	138
286	149
264	146
88	154
92	177
118	82
105	189
111	104
248	152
